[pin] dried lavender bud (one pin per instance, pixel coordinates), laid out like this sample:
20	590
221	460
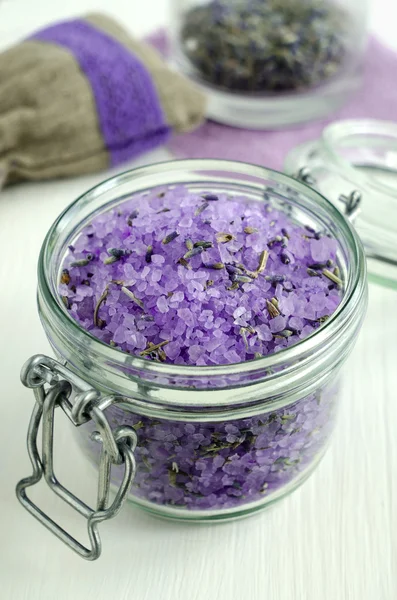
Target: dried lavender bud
249	230
217	266
318	266
223	238
170	237
201	209
133	215
310	229
117	252
66	301
275	278
323	319
149	254
163	210
189	244
184	263
272	310
193	252
285	259
312	272
65	277
203	245
242	279
233	270
83	262
285	233
211	197
110	260
286	333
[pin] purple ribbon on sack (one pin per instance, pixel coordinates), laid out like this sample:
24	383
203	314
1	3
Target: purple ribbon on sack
130	115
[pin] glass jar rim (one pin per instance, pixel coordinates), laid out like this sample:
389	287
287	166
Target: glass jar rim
293	354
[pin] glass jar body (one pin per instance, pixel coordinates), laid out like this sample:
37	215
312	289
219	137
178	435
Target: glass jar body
274	63
213	442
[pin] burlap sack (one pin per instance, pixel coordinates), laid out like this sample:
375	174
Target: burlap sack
83	95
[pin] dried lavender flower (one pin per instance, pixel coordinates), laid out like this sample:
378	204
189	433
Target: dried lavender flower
224	238
273	311
201	209
170	237
65	277
83	262
133	215
193	252
149	254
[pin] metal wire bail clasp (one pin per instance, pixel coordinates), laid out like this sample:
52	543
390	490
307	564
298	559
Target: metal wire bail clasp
54	385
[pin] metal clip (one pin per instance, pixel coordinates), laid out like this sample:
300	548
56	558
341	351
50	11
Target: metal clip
305	176
118	447
352	204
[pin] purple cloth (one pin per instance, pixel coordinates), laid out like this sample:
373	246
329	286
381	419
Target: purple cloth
129	112
376	100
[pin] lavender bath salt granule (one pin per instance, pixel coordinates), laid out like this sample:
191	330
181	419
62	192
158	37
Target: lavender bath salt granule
199	279
190	278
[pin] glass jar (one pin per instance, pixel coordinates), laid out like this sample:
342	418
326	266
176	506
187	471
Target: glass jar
212	443
359	155
267	64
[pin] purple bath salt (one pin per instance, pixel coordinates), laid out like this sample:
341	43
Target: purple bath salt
210	276
181	277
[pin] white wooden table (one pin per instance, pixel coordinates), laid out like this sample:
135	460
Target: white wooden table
334	539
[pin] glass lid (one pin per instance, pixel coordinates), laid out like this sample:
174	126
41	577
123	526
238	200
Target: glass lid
354	164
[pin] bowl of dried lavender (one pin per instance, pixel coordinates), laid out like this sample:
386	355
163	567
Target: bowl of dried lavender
205	307
269	63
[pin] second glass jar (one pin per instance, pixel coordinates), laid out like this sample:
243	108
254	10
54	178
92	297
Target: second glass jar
271	63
